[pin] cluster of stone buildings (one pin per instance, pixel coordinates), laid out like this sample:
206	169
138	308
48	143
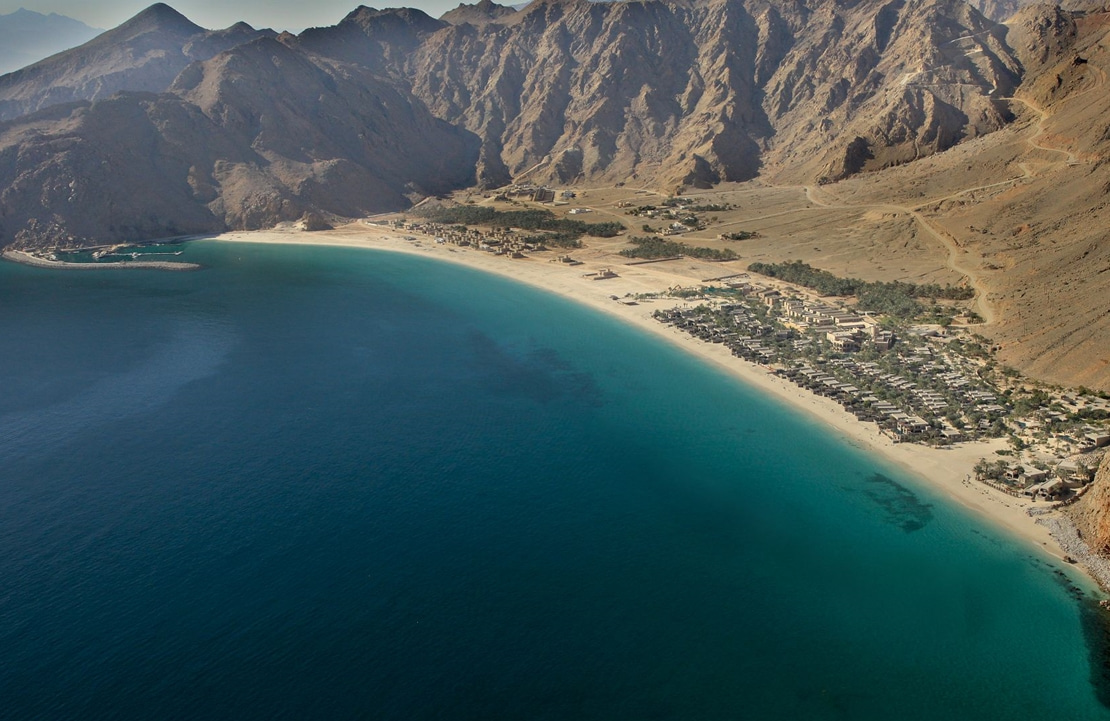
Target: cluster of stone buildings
537	193
845	330
743	335
499	241
812	344
915	389
1057	480
758	341
679	220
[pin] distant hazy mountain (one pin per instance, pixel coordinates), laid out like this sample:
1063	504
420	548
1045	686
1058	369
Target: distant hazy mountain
145	53
27	37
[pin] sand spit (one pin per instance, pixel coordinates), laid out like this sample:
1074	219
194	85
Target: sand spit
18	256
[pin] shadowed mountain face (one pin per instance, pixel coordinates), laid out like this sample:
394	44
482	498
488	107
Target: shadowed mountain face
242	128
254	136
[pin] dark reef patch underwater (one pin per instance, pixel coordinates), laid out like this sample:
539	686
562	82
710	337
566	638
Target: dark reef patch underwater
321	483
900	504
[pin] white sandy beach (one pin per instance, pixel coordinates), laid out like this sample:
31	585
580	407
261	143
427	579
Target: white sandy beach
944	469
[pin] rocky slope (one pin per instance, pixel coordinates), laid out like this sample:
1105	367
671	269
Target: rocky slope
256	135
146	53
1024	210
692	93
663	93
480	13
1042	242
1091	515
1002	10
872	90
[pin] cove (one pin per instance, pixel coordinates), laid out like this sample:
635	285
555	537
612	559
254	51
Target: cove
321	482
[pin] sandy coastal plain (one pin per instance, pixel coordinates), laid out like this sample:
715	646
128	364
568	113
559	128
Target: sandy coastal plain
946	469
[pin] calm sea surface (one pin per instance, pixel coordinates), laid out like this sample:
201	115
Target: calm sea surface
329	483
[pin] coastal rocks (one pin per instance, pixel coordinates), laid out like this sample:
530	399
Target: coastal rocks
1091	515
314	222
1067	535
1083	528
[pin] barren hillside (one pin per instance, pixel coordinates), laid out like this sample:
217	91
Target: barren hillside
1024	212
693	93
254	136
1092	514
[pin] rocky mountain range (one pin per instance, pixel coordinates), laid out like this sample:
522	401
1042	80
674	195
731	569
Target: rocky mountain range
666	93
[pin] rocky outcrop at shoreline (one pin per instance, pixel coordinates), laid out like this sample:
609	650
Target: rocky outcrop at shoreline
1083	529
1065	532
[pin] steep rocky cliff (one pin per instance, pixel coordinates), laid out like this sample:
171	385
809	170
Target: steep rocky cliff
1091	514
883	88
693	93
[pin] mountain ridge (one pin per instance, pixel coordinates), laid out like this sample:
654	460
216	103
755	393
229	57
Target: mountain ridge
27	37
145	54
671	93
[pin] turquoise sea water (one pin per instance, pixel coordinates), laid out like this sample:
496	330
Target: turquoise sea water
331	483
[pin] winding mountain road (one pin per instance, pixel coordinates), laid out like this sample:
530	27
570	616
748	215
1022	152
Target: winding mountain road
957	256
952	260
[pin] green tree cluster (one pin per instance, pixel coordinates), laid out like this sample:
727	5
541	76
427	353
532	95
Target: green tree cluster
897	299
560	230
651	248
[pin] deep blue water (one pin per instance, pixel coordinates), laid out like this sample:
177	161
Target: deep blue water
329	483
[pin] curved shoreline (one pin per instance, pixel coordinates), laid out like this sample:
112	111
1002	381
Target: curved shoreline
23	258
945	470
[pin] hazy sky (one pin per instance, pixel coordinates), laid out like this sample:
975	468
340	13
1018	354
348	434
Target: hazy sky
277	14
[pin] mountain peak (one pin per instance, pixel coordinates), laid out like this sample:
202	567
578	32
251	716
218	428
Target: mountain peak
484	11
161	16
363	16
